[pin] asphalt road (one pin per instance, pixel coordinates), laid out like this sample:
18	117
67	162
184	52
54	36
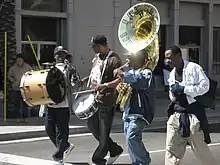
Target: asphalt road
22	152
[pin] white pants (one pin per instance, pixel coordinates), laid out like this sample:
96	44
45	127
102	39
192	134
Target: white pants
176	145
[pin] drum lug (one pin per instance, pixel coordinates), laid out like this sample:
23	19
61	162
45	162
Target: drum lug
26	87
40	85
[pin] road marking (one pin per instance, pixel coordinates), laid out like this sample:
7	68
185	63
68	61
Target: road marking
23	160
163	150
40	139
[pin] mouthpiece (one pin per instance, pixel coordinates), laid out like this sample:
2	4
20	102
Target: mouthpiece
127	63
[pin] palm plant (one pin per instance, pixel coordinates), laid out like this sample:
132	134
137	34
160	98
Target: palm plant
7	24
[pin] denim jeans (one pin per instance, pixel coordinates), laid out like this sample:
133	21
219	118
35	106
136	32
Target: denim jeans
57	128
133	129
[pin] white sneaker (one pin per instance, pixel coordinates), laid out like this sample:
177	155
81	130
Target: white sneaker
111	160
68	150
59	162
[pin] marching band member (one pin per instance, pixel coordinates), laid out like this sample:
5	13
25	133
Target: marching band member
101	122
188	121
57	116
139	108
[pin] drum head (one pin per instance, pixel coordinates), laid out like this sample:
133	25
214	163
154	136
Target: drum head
83	103
55	84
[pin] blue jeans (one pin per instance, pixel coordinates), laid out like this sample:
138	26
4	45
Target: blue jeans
133	129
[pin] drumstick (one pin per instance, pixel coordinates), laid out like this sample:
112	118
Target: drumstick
83	92
35	55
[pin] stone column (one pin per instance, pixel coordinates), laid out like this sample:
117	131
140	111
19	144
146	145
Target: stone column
210	38
18	25
173	27
70	29
207	40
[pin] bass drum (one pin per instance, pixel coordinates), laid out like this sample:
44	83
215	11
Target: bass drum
43	87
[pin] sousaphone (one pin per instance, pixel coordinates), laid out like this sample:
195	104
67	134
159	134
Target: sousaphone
138	30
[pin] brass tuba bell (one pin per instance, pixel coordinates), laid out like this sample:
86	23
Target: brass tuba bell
138	30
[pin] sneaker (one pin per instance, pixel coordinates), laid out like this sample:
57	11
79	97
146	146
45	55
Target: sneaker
58	161
111	160
67	151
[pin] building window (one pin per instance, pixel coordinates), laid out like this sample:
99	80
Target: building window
45	33
216	51
41	28
44	5
189	35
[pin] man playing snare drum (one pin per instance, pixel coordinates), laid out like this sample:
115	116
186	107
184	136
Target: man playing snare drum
101	122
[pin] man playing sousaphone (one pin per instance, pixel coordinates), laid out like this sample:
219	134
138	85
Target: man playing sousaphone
102	80
139	106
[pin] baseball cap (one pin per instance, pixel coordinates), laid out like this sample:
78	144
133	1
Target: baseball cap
60	49
98	40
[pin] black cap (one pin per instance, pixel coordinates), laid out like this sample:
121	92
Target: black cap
19	55
98	40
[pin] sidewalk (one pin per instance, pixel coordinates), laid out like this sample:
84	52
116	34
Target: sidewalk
11	130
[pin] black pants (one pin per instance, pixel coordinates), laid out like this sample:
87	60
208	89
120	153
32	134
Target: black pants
100	125
57	128
19	104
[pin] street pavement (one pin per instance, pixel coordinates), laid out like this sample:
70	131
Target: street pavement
11	130
38	151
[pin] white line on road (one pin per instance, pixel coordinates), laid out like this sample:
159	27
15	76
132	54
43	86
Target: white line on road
23	160
163	150
40	139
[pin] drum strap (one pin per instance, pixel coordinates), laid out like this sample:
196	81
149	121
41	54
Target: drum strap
103	69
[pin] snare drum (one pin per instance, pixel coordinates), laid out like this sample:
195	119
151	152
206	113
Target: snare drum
43	87
85	106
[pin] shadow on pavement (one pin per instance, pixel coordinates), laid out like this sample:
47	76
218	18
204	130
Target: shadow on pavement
77	163
82	163
215	128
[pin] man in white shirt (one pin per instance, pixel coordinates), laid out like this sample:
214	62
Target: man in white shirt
187	121
57	116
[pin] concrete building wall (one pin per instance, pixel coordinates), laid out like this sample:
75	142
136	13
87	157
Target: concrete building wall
87	18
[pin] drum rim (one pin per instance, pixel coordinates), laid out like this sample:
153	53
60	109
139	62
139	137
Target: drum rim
23	93
74	109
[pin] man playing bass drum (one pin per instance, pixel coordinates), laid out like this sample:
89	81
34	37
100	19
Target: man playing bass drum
105	85
57	115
